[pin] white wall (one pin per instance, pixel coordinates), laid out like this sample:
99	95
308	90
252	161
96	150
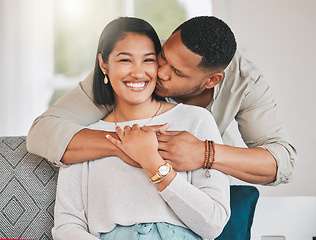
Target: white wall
292	217
279	36
26	62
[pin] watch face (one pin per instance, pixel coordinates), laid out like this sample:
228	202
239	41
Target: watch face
164	170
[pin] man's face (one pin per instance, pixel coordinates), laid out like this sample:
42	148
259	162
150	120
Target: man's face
179	75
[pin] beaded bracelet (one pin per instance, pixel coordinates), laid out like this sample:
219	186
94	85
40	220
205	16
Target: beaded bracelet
213	154
207	154
208	163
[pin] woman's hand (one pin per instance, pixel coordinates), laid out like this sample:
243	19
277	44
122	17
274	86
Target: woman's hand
138	143
141	145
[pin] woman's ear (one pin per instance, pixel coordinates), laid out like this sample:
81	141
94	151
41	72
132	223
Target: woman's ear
101	63
213	80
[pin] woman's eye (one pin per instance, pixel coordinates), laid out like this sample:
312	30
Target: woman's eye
150	60
125	60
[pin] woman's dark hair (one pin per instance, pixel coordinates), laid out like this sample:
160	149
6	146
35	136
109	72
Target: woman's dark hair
210	38
113	32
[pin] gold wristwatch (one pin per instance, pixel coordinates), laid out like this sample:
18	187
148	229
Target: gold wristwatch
163	171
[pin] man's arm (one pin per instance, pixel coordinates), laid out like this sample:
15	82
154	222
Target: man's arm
63	123
90	144
60	134
262	128
185	152
270	157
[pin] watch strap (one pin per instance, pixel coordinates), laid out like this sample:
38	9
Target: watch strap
158	177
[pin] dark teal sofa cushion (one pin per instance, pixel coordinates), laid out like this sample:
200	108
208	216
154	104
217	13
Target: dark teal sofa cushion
243	201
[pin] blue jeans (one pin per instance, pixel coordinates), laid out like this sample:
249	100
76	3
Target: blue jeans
150	231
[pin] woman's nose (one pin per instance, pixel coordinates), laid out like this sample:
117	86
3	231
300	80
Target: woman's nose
137	71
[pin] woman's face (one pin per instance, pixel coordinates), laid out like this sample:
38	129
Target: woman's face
132	69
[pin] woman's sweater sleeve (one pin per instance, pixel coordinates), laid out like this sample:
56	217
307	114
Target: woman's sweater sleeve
204	204
70	217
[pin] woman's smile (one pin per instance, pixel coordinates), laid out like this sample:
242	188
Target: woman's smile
132	69
136	86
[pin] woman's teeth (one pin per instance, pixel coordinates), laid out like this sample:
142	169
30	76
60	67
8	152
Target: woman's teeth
135	85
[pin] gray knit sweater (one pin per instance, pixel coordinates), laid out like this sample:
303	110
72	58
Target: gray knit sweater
93	197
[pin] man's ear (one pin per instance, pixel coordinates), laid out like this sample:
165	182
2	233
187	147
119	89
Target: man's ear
213	80
101	63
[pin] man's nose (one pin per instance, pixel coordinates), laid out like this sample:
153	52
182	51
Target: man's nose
164	72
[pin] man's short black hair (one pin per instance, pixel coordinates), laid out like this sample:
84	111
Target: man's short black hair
210	38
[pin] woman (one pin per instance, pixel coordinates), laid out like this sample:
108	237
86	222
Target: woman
110	199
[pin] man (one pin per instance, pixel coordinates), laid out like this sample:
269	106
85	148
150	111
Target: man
193	70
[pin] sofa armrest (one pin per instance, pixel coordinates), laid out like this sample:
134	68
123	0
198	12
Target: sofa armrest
27	192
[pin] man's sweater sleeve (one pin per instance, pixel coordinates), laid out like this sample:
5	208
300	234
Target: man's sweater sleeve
261	126
52	131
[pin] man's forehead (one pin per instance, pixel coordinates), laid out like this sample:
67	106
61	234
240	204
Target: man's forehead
176	36
177	53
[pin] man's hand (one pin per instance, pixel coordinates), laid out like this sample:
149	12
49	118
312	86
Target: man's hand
182	150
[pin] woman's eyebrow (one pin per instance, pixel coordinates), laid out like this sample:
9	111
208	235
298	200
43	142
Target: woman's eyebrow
129	54
152	53
124	53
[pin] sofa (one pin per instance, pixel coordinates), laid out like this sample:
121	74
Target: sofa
27	196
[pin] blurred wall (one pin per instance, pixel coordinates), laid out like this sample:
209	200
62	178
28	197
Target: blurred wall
279	36
26	62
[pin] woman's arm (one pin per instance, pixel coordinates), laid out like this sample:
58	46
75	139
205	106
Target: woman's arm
141	145
70	220
206	200
203	205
